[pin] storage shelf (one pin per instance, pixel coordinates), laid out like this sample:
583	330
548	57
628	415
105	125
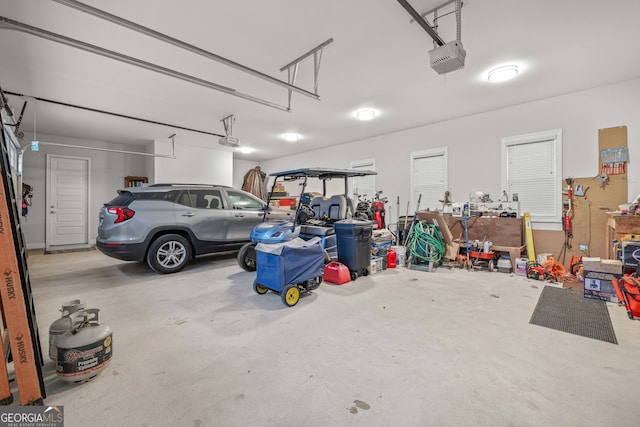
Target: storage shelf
135	181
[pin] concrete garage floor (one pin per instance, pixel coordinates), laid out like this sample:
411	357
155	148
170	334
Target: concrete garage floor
400	348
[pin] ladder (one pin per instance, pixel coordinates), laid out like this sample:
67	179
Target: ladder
16	298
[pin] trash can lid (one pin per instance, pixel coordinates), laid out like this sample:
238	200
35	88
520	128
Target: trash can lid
354	221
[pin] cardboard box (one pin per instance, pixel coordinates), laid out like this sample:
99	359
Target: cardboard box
433	217
598	277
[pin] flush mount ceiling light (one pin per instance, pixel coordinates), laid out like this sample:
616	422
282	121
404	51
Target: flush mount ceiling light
245	150
365	114
291	137
504	73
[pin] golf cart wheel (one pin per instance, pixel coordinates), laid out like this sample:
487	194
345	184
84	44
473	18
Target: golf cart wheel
169	254
261	290
247	257
290	295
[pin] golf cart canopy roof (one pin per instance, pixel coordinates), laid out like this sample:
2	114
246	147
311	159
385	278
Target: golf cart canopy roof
321	173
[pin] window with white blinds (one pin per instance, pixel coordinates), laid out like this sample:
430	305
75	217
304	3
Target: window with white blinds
428	177
364	186
531	168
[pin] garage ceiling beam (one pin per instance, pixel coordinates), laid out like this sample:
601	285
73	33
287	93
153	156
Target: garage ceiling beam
422	22
183	45
110	113
10	24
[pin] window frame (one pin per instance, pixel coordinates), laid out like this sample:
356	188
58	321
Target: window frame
367	164
555	136
432	152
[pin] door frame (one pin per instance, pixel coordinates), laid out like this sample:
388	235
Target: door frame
47	227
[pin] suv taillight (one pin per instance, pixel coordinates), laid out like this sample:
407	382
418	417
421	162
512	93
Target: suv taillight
122	213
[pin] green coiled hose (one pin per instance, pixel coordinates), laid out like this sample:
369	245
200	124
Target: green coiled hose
425	243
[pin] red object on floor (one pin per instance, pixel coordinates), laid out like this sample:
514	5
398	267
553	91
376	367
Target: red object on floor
391	258
628	291
336	272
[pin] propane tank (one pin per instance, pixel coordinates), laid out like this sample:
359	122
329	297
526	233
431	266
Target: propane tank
85	349
60	326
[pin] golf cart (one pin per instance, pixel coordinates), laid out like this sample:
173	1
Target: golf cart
314	216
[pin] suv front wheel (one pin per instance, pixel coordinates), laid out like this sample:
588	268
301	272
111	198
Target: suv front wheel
169	253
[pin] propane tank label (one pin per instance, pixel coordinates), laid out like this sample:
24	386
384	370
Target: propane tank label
81	360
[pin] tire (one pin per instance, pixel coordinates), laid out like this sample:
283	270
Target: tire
290	295
260	290
169	254
247	257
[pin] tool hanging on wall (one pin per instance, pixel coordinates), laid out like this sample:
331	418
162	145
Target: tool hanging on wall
614	160
566	220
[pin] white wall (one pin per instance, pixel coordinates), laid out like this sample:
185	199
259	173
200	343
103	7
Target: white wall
474	143
193	164
108	170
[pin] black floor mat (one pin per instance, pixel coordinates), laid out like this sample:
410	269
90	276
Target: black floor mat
568	311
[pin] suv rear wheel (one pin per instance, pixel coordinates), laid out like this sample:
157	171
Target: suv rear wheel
169	253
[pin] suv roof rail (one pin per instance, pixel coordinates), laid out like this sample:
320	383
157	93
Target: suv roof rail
186	185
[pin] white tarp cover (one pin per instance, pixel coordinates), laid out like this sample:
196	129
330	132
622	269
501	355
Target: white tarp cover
276	248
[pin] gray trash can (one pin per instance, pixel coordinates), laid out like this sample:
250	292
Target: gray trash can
354	245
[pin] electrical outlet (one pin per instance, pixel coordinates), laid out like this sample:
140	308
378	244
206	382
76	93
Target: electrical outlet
583	247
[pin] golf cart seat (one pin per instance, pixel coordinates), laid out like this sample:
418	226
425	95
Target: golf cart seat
317	204
336	207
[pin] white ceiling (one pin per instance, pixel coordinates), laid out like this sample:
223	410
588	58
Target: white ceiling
378	59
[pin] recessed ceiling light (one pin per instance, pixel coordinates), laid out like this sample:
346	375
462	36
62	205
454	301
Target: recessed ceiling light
365	114
291	137
501	74
245	150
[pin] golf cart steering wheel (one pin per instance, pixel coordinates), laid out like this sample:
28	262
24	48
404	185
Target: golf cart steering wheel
305	213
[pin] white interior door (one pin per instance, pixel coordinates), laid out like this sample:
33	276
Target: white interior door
67	201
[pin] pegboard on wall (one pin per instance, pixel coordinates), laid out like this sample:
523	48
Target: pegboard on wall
589	222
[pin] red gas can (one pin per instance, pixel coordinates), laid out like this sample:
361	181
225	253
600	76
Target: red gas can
391	258
336	272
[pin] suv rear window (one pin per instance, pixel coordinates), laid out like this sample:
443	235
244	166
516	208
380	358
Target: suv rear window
122	199
126	197
169	196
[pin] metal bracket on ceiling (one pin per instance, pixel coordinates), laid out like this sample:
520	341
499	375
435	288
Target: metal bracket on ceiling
290	86
10	24
422	18
227	122
292	67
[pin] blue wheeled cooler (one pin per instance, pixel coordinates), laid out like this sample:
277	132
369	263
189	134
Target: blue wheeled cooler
354	245
289	268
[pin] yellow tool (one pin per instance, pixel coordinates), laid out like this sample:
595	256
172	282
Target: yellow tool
531	251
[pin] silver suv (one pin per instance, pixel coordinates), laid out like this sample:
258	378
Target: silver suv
168	224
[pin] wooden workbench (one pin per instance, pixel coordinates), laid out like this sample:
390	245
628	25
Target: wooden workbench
618	225
505	234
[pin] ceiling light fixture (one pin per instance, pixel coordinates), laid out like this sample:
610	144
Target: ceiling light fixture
504	73
365	114
291	137
245	150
